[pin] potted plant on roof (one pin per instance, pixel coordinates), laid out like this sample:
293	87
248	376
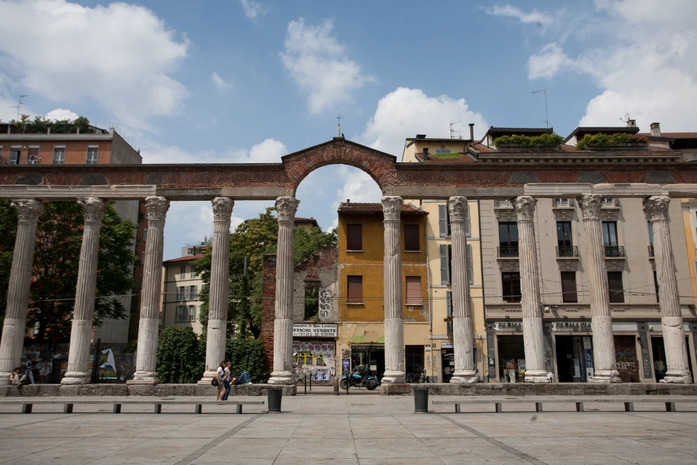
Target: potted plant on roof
523	143
616	141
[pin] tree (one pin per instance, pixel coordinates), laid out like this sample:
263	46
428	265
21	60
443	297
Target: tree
252	240
180	356
56	261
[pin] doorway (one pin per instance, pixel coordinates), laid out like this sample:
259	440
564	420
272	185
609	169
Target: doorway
660	365
414	363
511	359
574	358
369	359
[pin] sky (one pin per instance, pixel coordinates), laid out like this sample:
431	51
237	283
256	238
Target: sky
246	81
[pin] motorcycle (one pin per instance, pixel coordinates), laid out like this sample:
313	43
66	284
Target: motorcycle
357	380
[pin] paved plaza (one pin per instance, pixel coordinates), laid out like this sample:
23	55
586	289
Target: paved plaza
360	428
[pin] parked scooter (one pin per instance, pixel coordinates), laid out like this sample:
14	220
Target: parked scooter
357	380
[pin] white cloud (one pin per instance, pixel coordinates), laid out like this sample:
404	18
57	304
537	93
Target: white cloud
407	112
219	82
120	56
61	114
319	65
533	17
548	62
268	151
252	9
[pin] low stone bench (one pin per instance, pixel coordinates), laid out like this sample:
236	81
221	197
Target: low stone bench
628	401
68	404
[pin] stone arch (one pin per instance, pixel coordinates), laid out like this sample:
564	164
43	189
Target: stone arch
378	165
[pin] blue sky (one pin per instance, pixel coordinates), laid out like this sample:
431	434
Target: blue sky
252	80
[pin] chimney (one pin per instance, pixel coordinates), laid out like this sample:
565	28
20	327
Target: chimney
656	129
425	153
631	123
471	131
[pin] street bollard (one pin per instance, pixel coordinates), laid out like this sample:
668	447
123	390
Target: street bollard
336	386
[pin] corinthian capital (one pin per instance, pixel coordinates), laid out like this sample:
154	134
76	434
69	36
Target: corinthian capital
93	208
286	207
656	207
525	207
392	207
457	206
222	208
28	210
156	207
590	206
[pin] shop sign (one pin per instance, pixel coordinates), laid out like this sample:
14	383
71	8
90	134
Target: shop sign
446	345
314	330
512	326
580	326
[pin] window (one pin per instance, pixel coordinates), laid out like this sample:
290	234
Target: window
58	155
470	268
0	154
193	272
180	293
182	272
564	244
92	155
445	252
355	290
192	293
185	313
15	153
411	238
610	239
33	156
414	290
449	310
655	285
511	287
651	251
443	220
354	237
614	282
508	239
467	223
311	301
568	286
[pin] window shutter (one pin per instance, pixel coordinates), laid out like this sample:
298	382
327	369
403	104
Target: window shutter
414	290
355	289
467	223
443	220
444	264
354	237
411	237
449	310
470	270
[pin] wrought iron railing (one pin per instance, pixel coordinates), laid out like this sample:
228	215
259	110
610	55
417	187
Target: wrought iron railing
563	203
507	251
503	203
614	251
567	251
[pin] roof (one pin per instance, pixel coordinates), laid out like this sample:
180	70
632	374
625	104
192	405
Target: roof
511	131
187	258
376	208
581	131
307	220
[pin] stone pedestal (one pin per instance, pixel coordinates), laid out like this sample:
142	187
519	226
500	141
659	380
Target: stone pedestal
81	333
283	324
656	209
463	340
14	325
219	287
604	360
148	328
533	336
394	329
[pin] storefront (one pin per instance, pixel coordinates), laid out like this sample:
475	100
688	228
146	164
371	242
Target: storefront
368	358
314	350
447	363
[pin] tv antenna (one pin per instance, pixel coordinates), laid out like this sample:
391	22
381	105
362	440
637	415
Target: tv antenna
545	92
19	105
453	131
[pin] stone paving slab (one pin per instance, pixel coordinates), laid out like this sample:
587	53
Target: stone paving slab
348	430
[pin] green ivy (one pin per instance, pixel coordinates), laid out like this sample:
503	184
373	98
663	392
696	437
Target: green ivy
606	140
445	156
180	357
247	355
543	140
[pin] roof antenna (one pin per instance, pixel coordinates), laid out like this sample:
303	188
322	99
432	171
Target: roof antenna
453	131
19	105
545	92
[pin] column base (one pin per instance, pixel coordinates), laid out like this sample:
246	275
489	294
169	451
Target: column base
75	377
281	378
606	376
536	376
208	377
465	377
393	377
677	377
143	377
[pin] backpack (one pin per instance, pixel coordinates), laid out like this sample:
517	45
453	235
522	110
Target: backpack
244	378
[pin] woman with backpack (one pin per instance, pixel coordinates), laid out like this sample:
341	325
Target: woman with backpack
226	380
219	376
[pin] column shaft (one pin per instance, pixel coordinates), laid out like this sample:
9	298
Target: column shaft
219	287
605	363
283	324
656	209
148	327
463	340
533	336
14	325
394	327
81	332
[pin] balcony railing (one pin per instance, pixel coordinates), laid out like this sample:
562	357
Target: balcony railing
614	251
563	203
503	204
507	251
609	202
564	251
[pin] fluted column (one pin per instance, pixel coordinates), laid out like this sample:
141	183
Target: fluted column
283	324
463	340
533	335
394	329
219	287
656	209
604	361
14	325
148	327
81	333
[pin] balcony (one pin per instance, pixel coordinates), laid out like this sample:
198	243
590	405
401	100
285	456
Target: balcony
614	251
503	204
507	251
609	202
563	203
563	209
567	251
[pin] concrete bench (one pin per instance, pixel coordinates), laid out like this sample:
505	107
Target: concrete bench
580	401
68	404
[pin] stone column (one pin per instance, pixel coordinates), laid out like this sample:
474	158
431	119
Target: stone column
149	325
656	209
533	334
219	287
394	329
604	361
81	333
15	323
463	340
283	324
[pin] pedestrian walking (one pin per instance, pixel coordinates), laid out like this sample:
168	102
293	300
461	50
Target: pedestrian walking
226	379
219	375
